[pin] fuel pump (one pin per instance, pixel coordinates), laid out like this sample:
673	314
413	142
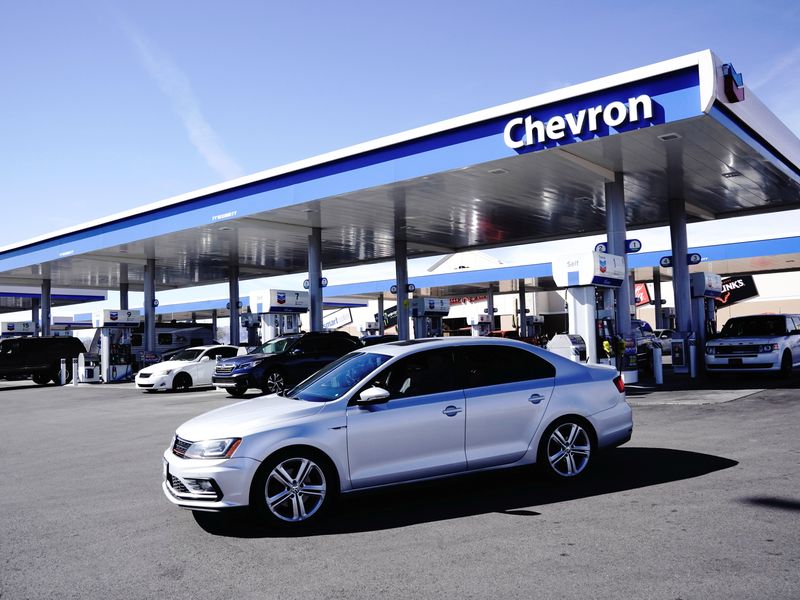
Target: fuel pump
479	322
114	328
279	311
252	322
10	329
428	315
582	274
705	287
534	325
370	328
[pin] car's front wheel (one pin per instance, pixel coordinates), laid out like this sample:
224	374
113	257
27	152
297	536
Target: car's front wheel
274	382
181	382
238	391
294	488
786	364
566	449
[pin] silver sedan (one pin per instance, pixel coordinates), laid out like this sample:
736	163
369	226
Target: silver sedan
395	413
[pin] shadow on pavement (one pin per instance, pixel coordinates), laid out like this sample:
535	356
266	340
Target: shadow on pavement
722	381
513	491
773	502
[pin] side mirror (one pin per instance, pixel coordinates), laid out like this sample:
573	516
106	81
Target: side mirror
296	351
205	358
373	395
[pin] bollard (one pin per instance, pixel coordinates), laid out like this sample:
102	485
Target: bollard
75	372
658	368
62	374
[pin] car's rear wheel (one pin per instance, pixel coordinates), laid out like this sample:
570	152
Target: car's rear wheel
40	379
181	382
294	488
567	449
56	376
274	382
786	364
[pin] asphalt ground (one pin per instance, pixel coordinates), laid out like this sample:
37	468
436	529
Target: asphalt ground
704	502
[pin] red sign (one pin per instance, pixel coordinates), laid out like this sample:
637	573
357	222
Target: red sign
642	295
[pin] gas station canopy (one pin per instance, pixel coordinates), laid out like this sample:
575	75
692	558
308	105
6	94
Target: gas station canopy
526	171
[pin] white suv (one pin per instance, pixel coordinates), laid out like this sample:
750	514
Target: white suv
756	343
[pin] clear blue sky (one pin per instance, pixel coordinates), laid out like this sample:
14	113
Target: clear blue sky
109	105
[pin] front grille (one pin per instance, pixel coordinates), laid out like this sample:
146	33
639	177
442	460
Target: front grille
144	375
180	446
177	485
224	369
738	350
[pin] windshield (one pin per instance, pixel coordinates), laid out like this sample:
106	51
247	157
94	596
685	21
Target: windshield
338	378
188	354
762	326
276	346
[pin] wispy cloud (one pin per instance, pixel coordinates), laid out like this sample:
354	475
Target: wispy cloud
790	60
176	86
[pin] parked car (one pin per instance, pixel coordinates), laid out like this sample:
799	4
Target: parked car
644	337
395	413
664	336
191	367
38	357
281	362
756	343
371	340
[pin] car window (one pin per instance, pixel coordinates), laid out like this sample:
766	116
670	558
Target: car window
310	345
760	325
495	365
9	347
227	352
336	379
339	345
188	354
423	373
796	323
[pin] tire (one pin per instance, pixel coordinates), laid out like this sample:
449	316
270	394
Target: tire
237	392
294	488
567	449
40	379
274	382
181	382
786	364
56	376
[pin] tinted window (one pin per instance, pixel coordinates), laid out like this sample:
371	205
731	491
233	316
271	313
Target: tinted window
226	352
429	372
164	339
136	339
494	365
762	325
797	322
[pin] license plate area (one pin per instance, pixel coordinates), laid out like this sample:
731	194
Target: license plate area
736	362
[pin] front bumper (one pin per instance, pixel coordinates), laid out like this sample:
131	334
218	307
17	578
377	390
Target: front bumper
154	382
748	363
231	381
231	479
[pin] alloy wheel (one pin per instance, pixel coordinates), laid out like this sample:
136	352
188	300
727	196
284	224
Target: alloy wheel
275	382
568	449
295	489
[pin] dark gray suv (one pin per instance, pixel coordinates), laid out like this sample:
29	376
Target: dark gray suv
38	357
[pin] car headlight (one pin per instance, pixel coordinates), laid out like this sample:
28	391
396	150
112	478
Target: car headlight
213	448
711	350
769	348
248	365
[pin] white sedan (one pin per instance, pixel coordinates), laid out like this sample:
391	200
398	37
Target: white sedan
192	367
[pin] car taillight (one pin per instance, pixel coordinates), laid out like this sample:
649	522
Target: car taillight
619	383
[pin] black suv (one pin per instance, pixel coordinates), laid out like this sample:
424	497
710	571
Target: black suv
38	357
282	362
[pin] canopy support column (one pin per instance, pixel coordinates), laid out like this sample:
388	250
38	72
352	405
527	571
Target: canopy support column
46	303
233	300
381	323
315	278
150	305
616	231
657	297
523	310
123	286
680	269
490	306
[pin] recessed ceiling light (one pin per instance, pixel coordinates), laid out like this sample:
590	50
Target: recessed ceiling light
498	171
584	199
224	228
477	200
731	173
668	137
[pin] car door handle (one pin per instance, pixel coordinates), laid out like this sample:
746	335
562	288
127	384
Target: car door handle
535	398
451	411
